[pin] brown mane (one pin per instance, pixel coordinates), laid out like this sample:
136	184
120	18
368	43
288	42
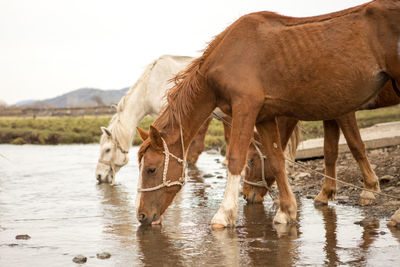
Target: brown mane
187	86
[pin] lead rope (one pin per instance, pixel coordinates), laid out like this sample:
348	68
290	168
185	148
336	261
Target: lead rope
340	181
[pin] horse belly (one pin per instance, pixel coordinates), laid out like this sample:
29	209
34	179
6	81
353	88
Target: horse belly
321	103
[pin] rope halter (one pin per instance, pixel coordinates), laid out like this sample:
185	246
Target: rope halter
263	182
165	182
111	163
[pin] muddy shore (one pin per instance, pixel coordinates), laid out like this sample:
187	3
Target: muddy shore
384	161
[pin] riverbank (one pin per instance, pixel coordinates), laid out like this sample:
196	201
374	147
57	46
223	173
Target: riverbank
84	130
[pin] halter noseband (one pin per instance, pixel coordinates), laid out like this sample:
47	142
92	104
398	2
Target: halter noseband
111	162
165	182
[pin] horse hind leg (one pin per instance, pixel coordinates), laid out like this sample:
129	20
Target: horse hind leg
331	151
242	130
268	131
348	124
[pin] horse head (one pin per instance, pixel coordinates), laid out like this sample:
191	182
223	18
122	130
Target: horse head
161	175
256	182
112	157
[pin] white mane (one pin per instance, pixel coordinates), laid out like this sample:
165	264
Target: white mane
118	128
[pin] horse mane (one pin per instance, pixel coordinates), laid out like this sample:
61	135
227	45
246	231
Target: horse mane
118	131
295	140
145	75
186	87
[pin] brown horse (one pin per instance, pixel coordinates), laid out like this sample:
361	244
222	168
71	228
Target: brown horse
348	124
316	68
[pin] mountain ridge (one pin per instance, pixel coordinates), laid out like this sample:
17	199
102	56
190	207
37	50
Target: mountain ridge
82	97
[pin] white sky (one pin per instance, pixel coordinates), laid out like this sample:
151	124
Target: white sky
50	47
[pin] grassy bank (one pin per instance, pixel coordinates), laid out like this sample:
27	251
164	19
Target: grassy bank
365	118
87	129
76	130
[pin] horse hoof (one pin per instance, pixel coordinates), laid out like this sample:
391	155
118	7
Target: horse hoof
321	200
320	204
365	202
367	198
216	226
281	218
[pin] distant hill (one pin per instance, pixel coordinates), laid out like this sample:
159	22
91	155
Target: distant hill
80	98
25	103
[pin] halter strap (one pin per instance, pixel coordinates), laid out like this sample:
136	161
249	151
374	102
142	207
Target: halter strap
111	162
165	182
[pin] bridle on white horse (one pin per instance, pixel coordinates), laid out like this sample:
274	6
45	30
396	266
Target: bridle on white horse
165	182
111	162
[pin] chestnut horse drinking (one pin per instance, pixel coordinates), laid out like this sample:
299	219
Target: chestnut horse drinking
258	69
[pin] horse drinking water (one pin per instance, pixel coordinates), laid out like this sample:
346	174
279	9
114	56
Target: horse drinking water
316	68
146	97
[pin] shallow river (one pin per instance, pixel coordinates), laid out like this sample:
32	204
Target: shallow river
50	193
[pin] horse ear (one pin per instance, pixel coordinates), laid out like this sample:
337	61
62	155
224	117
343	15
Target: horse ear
155	138
143	134
106	131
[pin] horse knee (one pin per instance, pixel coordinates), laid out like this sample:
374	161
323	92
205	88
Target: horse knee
235	165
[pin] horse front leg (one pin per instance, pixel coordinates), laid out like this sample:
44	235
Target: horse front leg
331	152
269	134
241	133
348	124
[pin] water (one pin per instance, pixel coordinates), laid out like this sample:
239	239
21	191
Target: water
50	193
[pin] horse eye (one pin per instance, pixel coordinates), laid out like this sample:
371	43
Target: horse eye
251	161
108	150
151	170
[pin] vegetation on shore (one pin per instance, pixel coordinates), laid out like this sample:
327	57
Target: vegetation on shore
87	129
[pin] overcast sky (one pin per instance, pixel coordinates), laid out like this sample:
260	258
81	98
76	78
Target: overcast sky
50	47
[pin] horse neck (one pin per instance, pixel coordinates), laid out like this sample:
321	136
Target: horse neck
133	111
204	104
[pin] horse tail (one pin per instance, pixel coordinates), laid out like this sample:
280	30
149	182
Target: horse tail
291	148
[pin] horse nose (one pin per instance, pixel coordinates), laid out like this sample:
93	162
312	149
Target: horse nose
98	176
142	218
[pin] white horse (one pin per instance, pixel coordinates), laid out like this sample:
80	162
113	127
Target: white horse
146	97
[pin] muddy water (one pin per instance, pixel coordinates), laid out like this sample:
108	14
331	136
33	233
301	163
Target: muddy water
50	193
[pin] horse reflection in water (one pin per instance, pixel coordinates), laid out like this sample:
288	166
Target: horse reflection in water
331	243
157	248
118	212
264	238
